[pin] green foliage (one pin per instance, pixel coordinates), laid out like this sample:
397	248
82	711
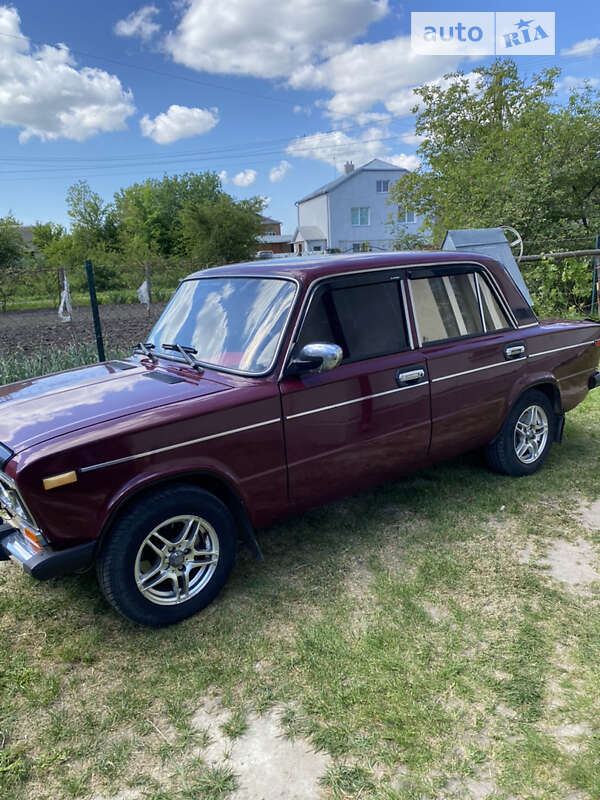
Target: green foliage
403	240
222	231
559	287
497	151
12	254
150	214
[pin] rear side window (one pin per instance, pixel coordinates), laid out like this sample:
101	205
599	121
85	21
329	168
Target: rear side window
451	306
366	320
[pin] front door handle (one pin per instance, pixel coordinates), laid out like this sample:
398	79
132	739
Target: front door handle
402	378
514	351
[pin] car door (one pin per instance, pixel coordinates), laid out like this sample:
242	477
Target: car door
369	418
473	350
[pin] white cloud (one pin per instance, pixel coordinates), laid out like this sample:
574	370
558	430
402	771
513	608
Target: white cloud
139	23
569	82
278	173
244	178
337	147
250	37
411	138
44	93
586	47
179	122
303	110
223	176
366	74
409	162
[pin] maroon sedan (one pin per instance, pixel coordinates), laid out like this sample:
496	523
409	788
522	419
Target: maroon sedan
268	388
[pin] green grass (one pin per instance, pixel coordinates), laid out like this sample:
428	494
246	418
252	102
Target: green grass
399	630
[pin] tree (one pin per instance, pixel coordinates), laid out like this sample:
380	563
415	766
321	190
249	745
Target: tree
222	231
150	214
498	151
94	221
12	256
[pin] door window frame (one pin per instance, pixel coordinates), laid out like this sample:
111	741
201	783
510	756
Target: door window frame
419	272
348	280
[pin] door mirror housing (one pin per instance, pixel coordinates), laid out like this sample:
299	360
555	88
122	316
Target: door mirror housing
315	358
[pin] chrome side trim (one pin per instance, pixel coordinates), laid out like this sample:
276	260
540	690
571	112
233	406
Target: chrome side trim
558	349
574	375
529	325
478	369
355	400
176	446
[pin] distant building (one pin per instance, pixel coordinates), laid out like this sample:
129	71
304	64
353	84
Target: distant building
271	239
353	211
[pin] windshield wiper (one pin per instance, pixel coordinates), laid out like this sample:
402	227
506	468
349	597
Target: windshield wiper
187	352
146	348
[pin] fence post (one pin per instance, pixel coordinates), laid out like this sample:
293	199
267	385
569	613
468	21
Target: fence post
94	301
147	277
61	282
595	277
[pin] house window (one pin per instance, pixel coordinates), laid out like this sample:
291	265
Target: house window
356	247
317	248
383	187
361	215
405	216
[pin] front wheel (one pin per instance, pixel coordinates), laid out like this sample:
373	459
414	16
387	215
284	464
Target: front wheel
167	556
524	442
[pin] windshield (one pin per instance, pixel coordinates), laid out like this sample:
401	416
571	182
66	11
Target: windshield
235	323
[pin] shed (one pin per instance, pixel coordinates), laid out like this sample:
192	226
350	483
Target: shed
491	242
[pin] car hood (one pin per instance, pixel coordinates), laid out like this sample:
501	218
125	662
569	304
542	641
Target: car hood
39	409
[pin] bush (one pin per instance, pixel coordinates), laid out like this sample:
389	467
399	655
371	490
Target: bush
559	287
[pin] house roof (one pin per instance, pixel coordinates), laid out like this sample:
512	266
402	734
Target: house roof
375	165
269	221
308	233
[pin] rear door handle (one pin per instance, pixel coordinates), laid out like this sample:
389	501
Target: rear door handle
402	378
514	350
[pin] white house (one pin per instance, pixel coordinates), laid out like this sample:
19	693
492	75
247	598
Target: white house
352	210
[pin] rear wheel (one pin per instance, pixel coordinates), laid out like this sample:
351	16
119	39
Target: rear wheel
167	556
524	442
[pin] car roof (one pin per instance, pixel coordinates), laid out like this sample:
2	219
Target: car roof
309	268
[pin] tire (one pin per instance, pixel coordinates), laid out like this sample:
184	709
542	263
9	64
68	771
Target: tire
524	442
167	556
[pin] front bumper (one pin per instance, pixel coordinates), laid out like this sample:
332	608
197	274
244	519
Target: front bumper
594	381
46	563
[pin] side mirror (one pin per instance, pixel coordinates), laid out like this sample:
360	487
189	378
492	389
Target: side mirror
316	358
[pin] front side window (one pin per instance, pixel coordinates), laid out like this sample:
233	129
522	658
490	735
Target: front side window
236	323
361	215
451	306
366	320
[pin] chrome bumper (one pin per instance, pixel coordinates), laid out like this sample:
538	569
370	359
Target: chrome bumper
46	563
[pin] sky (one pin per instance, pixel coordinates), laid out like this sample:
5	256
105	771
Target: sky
273	96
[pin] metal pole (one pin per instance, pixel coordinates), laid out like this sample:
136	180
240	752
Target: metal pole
595	263
94	301
564	254
147	277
